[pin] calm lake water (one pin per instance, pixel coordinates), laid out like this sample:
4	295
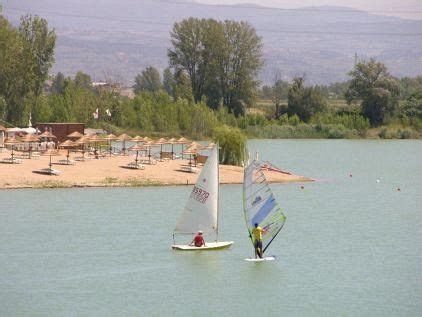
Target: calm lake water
351	246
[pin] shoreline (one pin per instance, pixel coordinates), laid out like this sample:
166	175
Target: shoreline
110	172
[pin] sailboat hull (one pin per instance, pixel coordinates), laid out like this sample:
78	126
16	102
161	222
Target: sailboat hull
208	246
267	258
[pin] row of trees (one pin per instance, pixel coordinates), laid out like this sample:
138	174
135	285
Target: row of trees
372	88
211	80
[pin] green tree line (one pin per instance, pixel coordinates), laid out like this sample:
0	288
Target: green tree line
211	83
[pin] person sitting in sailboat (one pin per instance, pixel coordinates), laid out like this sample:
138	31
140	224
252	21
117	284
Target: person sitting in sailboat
198	240
257	240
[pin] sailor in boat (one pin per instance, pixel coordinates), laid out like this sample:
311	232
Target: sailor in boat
198	240
257	240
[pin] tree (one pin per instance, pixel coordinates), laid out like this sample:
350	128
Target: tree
375	88
182	88
168	81
304	101
221	59
38	43
59	83
239	65
148	80
83	80
11	84
233	145
280	91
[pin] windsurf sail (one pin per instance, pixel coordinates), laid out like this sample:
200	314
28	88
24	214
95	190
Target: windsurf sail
260	205
201	210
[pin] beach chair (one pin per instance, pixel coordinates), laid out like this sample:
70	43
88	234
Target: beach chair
134	165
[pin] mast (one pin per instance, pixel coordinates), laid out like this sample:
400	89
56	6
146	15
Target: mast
218	187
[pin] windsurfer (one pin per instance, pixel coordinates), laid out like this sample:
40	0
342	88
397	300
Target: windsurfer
198	240
257	240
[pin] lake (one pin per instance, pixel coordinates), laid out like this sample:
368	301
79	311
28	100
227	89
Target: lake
351	245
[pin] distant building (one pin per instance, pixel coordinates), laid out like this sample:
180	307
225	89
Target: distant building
61	130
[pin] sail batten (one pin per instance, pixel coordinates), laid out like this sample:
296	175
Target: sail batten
260	205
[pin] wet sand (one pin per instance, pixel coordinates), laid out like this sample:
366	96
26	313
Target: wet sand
108	172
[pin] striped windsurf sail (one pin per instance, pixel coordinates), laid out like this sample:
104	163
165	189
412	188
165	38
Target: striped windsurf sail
260	205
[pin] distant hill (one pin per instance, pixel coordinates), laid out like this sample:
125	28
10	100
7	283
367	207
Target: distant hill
118	39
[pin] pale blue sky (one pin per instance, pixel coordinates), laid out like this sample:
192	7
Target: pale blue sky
403	8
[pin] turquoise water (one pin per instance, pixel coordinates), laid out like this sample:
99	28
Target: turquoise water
351	246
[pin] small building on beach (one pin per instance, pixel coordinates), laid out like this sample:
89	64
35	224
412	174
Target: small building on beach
61	130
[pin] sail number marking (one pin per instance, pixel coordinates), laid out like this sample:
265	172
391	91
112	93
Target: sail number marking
199	194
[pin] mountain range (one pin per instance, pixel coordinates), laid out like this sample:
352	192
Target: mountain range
116	40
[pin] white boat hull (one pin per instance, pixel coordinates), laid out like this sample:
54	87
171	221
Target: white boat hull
266	258
208	246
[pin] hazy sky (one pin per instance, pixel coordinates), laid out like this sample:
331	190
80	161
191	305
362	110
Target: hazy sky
402	8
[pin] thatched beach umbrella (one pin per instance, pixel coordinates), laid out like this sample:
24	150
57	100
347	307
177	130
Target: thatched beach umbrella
137	139
30	138
95	138
50	152
136	148
190	152
82	141
147	146
75	135
47	134
182	141
160	142
196	146
67	144
172	141
124	137
110	138
12	141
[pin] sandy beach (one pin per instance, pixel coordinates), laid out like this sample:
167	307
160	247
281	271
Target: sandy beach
109	172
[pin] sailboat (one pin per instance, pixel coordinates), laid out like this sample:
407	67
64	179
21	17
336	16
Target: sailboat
202	208
261	207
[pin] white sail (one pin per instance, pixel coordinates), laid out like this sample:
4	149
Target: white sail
201	210
259	204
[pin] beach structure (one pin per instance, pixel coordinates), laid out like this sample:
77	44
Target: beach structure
30	139
172	141
182	141
137	139
75	135
161	142
12	142
136	164
68	144
61	130
124	137
110	137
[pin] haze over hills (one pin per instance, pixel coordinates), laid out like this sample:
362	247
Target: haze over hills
118	39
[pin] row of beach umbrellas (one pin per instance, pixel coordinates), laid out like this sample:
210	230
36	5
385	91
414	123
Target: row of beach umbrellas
80	139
